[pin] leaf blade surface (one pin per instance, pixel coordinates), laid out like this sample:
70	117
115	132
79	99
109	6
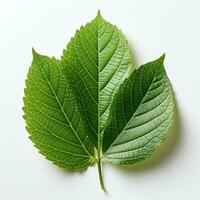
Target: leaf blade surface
52	116
96	61
140	116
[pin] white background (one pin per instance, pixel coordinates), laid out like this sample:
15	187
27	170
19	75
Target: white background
152	27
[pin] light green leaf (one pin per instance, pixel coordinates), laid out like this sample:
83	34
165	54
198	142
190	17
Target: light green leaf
52	117
96	61
140	116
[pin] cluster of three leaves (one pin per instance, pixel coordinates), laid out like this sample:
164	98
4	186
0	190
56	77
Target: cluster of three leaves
92	105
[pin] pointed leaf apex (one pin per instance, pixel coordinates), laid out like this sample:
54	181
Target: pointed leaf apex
99	14
34	53
162	58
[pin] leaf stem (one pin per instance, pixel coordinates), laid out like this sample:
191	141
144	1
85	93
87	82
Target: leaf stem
100	174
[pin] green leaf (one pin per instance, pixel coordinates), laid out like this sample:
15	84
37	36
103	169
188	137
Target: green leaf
87	107
140	115
52	117
96	61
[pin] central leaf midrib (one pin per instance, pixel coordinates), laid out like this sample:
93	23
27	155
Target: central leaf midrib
98	90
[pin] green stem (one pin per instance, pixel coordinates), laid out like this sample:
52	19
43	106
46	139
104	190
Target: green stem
100	174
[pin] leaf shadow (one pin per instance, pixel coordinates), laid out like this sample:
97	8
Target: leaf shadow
69	171
65	170
164	152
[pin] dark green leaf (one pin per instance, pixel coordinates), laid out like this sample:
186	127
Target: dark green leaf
140	116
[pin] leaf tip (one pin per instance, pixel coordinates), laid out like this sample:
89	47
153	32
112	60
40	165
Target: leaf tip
162	57
99	14
34	53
